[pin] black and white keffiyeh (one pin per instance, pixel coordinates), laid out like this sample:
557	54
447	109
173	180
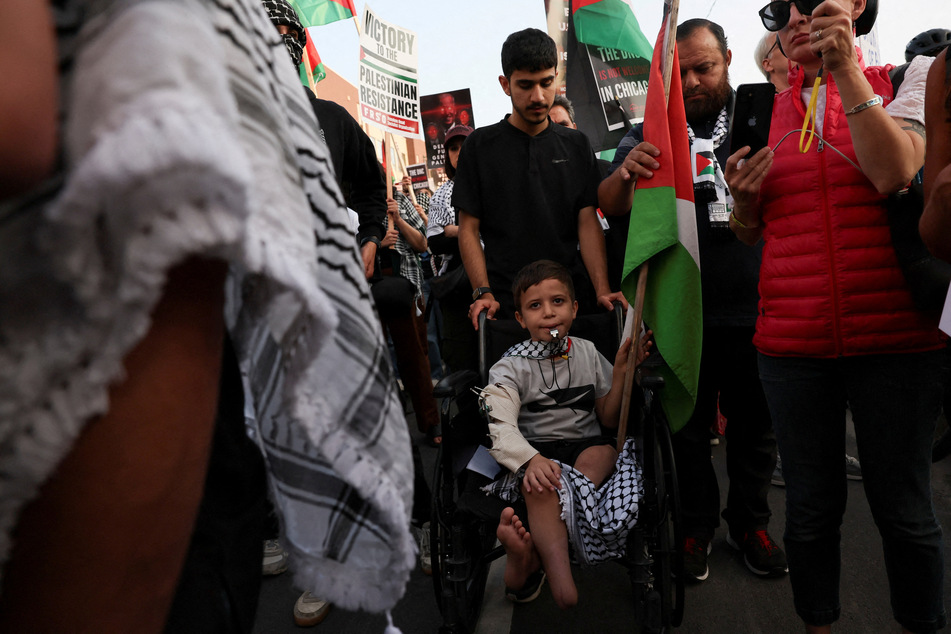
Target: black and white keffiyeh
707	173
410	266
598	519
234	169
559	347
282	13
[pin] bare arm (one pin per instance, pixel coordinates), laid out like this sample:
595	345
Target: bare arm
608	407
745	180
890	151
415	238
473	258
28	104
594	256
133	480
935	224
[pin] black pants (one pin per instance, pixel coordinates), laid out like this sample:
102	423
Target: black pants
728	371
218	589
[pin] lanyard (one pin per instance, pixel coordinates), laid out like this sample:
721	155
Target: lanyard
809	123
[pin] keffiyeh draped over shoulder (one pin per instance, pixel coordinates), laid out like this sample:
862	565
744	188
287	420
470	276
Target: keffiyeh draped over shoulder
598	519
186	131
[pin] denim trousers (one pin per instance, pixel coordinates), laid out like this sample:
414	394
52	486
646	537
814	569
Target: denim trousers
895	400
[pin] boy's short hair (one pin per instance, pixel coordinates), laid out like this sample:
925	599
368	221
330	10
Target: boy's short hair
529	50
538	271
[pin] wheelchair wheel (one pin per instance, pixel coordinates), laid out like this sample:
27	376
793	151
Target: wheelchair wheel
461	545
657	556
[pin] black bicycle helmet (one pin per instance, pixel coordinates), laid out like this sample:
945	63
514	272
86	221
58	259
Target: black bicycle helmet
929	43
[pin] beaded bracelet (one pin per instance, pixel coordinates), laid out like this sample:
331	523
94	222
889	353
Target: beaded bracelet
740	224
874	101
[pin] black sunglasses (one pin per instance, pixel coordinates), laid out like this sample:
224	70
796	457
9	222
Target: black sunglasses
775	15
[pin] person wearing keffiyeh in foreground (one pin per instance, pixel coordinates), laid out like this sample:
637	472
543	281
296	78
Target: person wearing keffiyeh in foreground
212	154
545	398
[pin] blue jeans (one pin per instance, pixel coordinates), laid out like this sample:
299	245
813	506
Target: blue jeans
895	400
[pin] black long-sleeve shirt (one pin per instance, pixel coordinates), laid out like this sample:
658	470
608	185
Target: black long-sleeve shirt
354	160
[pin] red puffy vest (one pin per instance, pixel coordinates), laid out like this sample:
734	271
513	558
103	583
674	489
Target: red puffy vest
830	284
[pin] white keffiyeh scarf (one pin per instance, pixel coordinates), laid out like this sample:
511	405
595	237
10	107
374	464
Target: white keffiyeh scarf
707	174
598	519
187	132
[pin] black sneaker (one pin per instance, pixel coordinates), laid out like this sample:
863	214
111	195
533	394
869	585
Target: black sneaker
696	550
762	555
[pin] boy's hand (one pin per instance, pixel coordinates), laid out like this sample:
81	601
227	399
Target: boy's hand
540	474
643	350
620	359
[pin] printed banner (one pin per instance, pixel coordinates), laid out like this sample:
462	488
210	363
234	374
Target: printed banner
557	13
417	174
442	111
608	67
388	83
621	79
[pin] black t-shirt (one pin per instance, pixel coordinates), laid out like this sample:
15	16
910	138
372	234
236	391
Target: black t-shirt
526	192
729	269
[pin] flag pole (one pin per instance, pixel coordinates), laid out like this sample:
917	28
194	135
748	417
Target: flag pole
670	40
412	192
388	158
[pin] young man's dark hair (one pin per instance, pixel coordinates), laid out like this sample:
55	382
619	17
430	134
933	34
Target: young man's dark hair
539	271
688	28
530	50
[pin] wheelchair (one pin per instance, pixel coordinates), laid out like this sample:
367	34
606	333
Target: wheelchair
464	519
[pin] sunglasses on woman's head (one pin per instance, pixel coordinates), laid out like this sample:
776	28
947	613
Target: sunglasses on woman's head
775	15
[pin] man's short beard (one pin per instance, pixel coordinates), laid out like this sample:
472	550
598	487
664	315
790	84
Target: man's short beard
710	106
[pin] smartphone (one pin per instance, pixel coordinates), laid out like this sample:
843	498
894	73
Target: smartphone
751	117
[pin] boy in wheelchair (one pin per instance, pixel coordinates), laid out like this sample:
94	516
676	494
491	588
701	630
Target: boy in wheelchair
545	398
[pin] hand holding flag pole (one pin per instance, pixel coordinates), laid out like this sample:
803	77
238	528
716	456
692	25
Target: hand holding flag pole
670	41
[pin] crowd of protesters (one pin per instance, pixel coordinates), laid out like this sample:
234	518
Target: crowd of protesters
194	329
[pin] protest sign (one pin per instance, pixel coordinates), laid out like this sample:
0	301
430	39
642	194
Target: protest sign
557	16
388	77
442	111
417	174
608	65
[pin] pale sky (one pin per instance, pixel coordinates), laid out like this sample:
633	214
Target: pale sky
460	40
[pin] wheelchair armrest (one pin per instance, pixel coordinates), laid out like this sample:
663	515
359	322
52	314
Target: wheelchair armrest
455	384
648	372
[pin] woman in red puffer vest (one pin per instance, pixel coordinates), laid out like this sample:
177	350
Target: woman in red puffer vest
837	326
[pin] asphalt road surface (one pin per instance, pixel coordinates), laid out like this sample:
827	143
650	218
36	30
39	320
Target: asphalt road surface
731	600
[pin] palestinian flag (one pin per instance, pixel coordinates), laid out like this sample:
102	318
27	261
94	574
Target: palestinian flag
664	230
705	165
311	68
610	24
320	12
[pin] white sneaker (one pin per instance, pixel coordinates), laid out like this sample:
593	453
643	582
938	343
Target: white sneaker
310	610
853	470
275	558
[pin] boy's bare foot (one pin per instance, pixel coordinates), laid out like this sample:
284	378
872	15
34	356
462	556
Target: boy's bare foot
521	558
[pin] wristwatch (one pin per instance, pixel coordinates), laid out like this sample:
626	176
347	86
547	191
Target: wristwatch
479	292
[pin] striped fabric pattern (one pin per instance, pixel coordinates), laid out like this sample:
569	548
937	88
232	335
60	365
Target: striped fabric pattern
232	167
